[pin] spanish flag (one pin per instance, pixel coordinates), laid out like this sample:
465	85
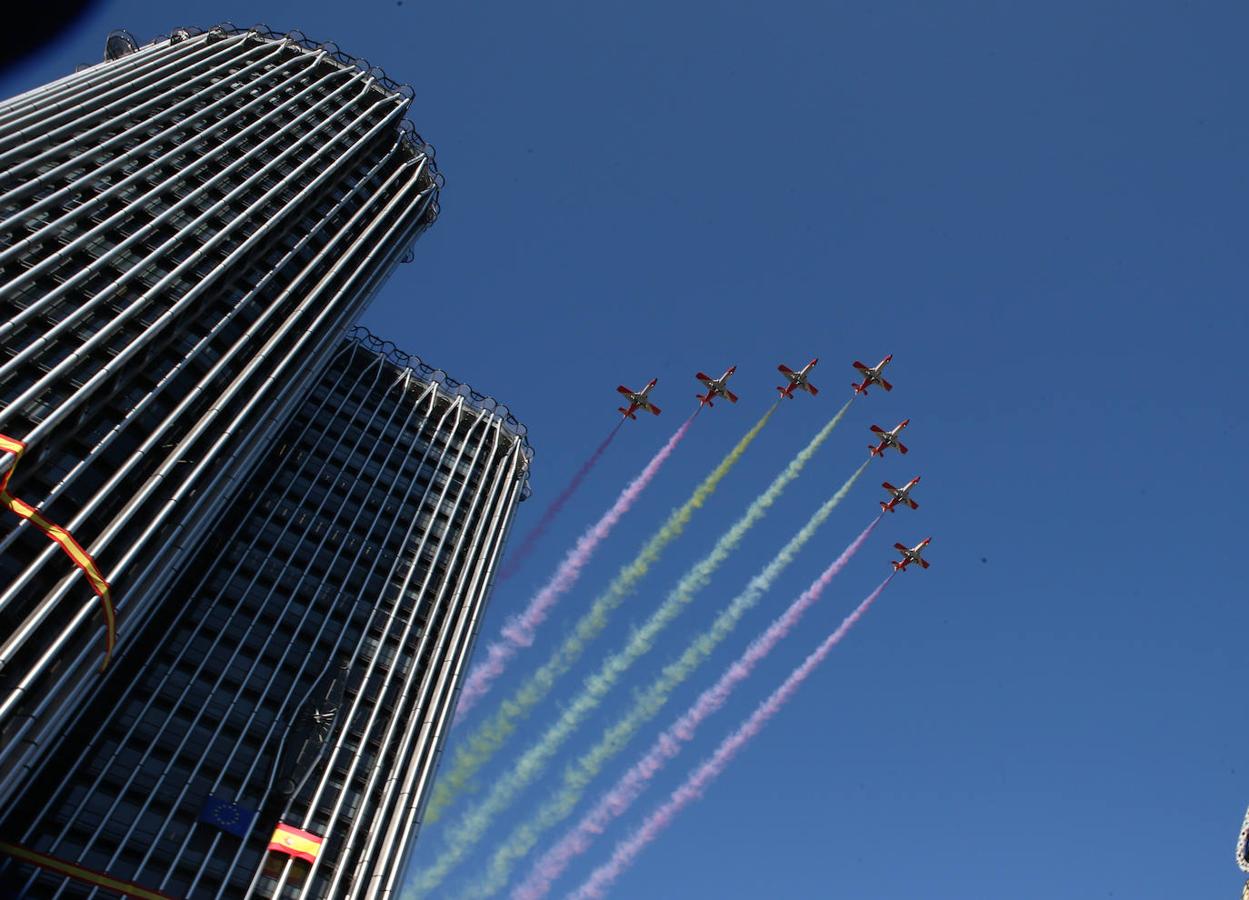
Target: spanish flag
80	873
82	559
295	842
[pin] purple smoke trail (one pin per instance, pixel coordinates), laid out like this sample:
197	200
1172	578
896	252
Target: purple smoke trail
521	553
519	630
627	850
621	796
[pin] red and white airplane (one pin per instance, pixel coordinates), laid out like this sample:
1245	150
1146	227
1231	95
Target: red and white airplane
911	555
900	495
888	439
871	375
716	386
637	400
797	379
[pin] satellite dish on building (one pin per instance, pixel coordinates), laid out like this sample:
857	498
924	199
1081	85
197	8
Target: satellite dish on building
119	44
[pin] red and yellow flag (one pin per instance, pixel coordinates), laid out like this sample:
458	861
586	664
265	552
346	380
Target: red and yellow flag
81	557
81	873
295	842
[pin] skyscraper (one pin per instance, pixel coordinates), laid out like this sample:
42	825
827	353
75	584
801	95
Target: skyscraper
304	668
186	230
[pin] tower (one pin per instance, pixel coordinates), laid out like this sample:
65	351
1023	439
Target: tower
304	669
186	231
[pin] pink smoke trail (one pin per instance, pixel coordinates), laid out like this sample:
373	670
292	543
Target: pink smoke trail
630	785
519	630
517	557
627	850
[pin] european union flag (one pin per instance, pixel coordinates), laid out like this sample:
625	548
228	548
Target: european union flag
229	817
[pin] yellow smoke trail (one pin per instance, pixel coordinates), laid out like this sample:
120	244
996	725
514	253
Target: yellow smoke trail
490	735
579	775
473	825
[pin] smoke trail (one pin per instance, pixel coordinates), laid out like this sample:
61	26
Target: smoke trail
578	776
517	557
491	734
622	794
519	630
627	850
473	825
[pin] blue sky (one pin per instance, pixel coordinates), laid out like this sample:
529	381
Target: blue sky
1040	209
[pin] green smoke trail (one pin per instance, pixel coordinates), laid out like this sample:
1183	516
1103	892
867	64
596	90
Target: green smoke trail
579	774
473	825
491	734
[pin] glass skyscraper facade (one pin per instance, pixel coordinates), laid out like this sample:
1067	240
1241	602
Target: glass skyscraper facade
300	527
186	231
306	665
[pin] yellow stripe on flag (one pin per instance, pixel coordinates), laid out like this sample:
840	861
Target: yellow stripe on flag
81	558
80	873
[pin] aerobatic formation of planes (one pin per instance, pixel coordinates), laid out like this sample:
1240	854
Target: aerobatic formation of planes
869	375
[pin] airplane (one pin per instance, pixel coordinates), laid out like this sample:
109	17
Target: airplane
716	386
911	555
900	495
888	439
871	375
797	379
637	400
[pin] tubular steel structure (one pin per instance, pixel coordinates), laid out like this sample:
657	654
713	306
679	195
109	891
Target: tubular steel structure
186	231
310	671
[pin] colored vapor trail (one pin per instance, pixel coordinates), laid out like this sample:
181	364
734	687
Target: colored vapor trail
517	558
491	734
474	824
579	775
630	785
627	850
519	630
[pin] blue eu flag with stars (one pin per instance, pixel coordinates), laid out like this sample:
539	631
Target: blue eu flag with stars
229	817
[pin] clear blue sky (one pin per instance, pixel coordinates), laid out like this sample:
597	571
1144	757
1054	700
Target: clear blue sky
1040	209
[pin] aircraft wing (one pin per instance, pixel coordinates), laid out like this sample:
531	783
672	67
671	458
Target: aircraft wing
901	547
858	365
624	390
784	369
